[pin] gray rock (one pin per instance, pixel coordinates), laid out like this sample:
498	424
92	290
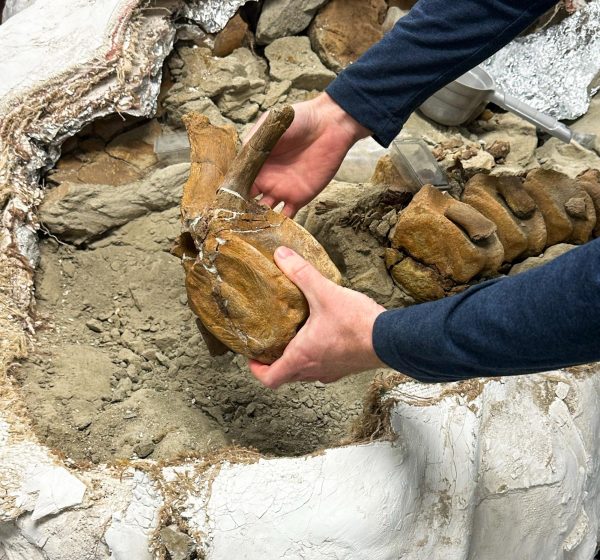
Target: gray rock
143	450
521	136
94	325
179	545
394	13
181	103
275	91
570	159
280	18
235	82
308	415
533	262
79	213
292	58
240	71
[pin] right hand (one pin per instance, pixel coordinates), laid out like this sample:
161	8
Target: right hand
308	155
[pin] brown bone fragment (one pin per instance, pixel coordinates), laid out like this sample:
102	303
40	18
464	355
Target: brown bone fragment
552	192
504	201
439	231
589	181
233	284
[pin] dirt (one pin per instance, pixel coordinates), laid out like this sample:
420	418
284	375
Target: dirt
120	370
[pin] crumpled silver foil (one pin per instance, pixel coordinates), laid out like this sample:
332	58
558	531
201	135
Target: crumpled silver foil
555	70
212	15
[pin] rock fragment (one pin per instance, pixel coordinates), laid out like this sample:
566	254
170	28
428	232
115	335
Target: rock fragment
291	58
282	18
519	134
275	93
344	29
94	325
179	545
231	37
79	213
570	159
241	71
549	255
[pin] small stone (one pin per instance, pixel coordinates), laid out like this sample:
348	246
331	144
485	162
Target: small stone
94	325
391	217
274	92
320	385
81	420
382	229
282	18
499	149
68	268
308	415
143	450
251	409
335	415
149	354
231	37
162	359
127	356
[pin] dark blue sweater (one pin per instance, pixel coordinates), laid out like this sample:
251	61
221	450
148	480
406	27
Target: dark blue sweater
540	320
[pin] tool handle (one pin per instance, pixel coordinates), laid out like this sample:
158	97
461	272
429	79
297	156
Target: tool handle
542	121
248	162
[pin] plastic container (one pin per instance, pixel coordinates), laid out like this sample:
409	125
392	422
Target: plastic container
416	164
360	161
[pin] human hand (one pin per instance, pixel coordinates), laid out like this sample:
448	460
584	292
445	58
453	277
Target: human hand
308	155
335	341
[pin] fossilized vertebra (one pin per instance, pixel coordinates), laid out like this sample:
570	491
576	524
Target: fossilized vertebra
233	283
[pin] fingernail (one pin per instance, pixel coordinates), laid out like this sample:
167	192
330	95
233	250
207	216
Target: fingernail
284	252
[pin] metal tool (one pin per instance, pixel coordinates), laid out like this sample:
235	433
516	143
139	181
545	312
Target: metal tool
463	99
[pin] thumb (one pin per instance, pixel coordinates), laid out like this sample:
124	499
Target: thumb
306	277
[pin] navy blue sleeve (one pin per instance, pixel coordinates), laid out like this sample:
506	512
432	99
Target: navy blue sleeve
543	319
434	44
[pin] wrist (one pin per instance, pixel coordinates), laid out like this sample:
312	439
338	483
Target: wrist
371	358
337	117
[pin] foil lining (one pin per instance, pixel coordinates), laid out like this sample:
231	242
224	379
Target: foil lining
556	70
212	15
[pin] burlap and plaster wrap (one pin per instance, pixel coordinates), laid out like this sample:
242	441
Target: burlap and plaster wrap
496	469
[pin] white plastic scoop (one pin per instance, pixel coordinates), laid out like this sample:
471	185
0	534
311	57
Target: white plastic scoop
463	99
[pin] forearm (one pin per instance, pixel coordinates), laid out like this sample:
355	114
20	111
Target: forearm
431	46
540	320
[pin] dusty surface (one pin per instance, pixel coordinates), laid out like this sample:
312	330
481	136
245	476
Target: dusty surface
121	371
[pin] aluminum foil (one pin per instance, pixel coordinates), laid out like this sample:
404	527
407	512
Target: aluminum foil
212	15
556	70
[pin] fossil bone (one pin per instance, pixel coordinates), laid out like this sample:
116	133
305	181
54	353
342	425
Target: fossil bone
233	283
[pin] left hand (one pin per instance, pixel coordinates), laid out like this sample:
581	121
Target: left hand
336	339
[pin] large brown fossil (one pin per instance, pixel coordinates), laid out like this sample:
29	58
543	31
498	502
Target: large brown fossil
233	285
